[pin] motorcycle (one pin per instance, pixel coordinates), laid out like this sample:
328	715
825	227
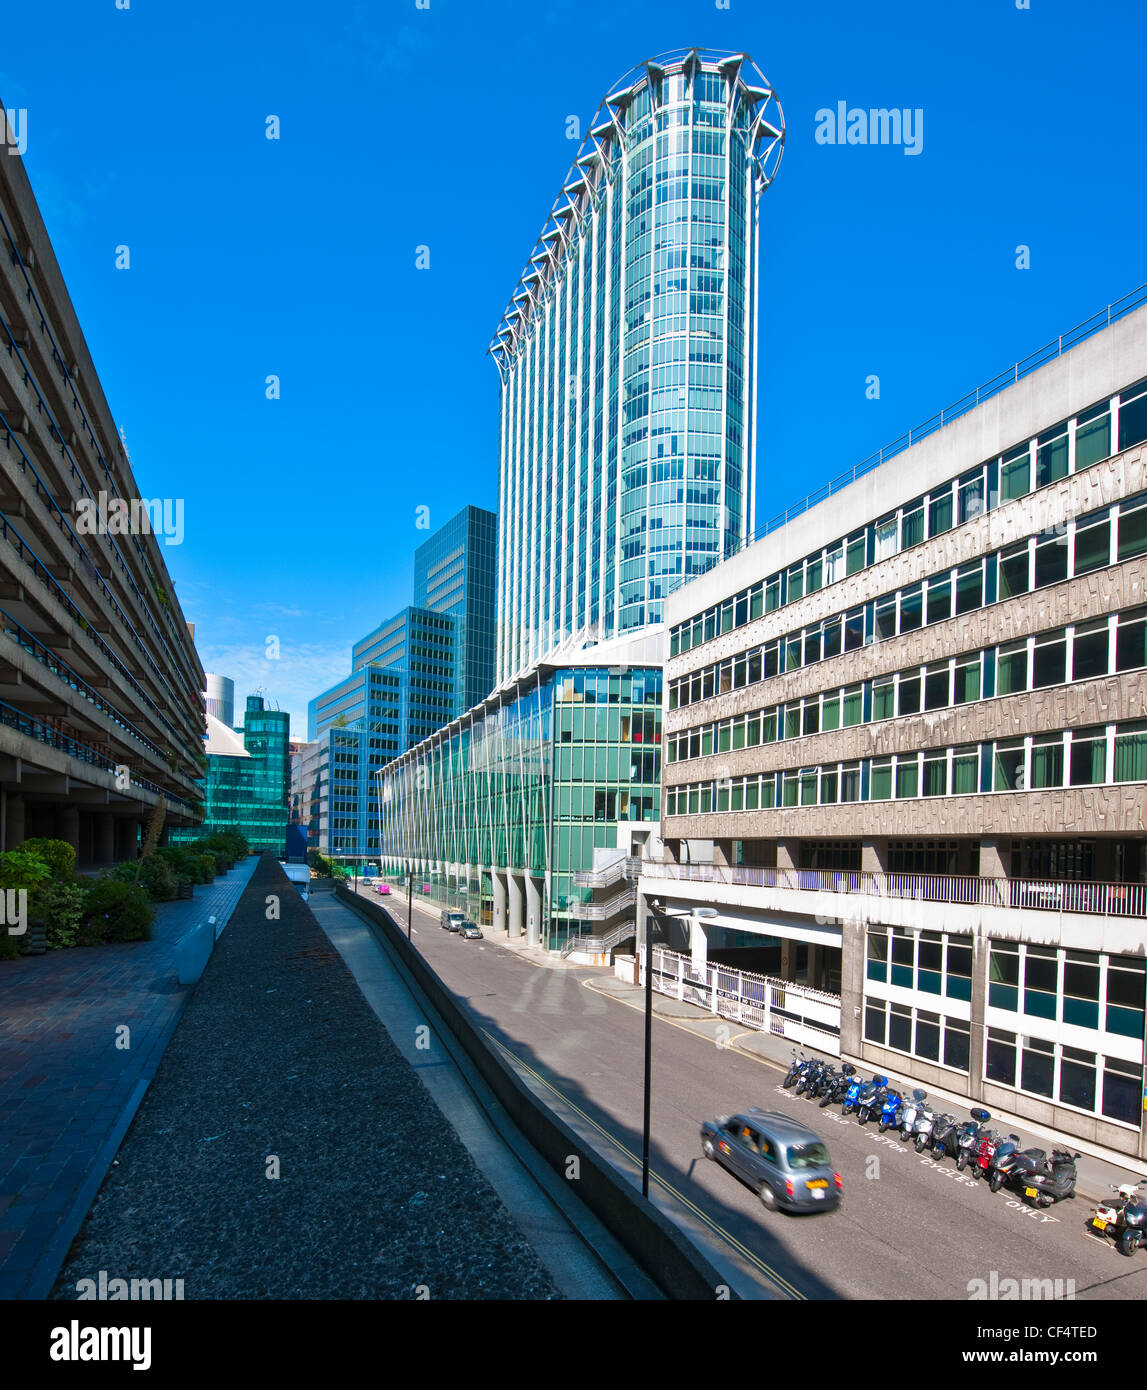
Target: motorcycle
890	1111
1051	1180
970	1136
810	1077
1006	1160
840	1083
866	1098
909	1109
986	1149
945	1136
822	1083
1124	1219
850	1096
798	1065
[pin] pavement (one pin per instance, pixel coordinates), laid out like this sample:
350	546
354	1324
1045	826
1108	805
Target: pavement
286	1150
1097	1169
72	1078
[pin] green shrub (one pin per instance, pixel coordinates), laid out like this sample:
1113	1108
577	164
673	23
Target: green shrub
9	945
115	911
123	872
62	907
23	868
158	877
207	867
59	856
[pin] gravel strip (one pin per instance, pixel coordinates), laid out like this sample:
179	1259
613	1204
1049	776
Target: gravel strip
278	1056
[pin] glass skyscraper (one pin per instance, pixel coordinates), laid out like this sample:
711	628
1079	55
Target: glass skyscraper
454	574
627	358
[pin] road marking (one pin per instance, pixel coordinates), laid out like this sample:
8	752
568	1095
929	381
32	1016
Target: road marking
789	1290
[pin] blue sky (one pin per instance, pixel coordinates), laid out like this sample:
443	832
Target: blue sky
446	127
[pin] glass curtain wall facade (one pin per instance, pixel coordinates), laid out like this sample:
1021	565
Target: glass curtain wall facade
529	785
627	359
455	574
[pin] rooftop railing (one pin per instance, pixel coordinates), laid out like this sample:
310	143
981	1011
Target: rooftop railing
1047	895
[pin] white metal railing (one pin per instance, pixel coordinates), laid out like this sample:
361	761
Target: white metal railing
805	1015
627	868
1052	895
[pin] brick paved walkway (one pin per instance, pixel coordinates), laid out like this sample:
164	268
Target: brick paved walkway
67	1093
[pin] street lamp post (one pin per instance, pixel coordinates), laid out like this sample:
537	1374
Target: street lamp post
660	917
409	898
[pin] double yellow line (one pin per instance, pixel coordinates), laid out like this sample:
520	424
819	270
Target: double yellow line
783	1286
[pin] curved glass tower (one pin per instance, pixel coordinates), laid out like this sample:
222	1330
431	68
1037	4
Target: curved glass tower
627	358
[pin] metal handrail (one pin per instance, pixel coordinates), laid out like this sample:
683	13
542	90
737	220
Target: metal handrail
627	868
1106	898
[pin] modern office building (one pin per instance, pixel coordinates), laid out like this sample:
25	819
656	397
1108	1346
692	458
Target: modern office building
500	809
906	744
627	356
410	676
219	694
454	573
101	714
247	779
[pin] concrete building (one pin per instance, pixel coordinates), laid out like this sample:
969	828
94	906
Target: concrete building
101	714
906	745
627	356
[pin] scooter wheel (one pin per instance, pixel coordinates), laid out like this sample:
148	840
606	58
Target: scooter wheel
920	1143
961	1160
996	1181
825	1100
883	1126
904	1136
862	1117
1129	1242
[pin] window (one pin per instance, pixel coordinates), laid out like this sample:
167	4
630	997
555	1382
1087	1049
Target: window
940	512
813	572
1093	436
1093	542
972	495
883	697
811	717
1051	456
939	599
830	638
1131	753
1004	976
900	1028
1081	989
1009	767
1089	651
885	538
970	587
910	692
1077	1078
935	777
1015	474
936	688
881	784
1122	1085
1050	663
1125	996
1041	981
811	645
1000	1062
856	551
1088	757
854	630
957	1044
834	563
965	771
830	711
1131	640
1050	559
1132	528
1133	416
912	523
1012	668
1014	567
959	971
792	719
927	1035
1037	1067
1047	761
912	608
852	706
907	778
850	782
828	786
967	687
886	617
875	1021
796	582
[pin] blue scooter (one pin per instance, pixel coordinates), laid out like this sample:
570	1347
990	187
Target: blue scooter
890	1111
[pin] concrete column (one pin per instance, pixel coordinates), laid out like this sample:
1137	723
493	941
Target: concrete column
514	885
498	879
103	838
127	832
992	858
788	959
533	911
13	820
874	856
815	966
698	942
788	854
980	954
68	825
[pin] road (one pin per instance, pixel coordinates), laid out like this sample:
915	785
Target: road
907	1228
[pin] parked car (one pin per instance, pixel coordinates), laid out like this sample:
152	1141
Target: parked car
383	888
470	931
785	1163
451	921
367	882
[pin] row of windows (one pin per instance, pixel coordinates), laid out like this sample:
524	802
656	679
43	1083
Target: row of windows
1068	447
1083	651
1116	534
1040	762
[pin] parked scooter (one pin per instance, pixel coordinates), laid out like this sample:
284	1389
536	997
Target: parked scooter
866	1100
1050	1181
971	1132
851	1095
890	1111
841	1081
811	1076
986	1150
797	1066
1007	1159
945	1136
922	1129
1124	1218
909	1109
823	1082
